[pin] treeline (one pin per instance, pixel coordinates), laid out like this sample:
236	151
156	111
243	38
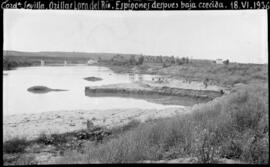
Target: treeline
141	59
167	59
9	63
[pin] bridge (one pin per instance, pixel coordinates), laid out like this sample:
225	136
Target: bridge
65	63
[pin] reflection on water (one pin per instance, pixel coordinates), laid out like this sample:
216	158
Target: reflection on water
16	98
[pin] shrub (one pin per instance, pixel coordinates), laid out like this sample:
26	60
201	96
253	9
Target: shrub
44	139
247	109
58	139
55	139
205	147
15	145
256	149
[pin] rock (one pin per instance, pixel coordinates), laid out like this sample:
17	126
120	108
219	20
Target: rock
93	79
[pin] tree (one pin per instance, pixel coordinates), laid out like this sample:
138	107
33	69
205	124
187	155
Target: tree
183	60
164	65
172	60
132	60
178	61
160	59
226	62
187	60
141	59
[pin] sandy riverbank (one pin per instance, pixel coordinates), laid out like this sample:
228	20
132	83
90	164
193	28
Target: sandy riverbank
31	125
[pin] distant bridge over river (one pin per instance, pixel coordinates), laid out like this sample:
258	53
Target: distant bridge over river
66	63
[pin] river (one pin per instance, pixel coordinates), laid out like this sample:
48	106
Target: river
17	100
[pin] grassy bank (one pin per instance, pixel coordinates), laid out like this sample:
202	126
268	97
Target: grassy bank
232	127
20	151
226	75
217	74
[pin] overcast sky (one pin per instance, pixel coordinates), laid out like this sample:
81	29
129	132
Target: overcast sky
239	36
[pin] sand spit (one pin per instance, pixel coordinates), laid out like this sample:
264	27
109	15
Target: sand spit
32	125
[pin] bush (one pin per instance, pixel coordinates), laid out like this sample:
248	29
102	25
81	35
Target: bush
206	148
231	149
15	145
44	139
247	109
54	139
255	148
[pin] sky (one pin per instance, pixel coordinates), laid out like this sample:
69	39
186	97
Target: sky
240	36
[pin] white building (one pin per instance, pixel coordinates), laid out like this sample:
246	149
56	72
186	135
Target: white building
91	61
219	61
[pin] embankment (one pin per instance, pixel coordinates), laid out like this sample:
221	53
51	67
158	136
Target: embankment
164	95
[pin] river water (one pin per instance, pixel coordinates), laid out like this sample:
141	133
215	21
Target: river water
17	100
